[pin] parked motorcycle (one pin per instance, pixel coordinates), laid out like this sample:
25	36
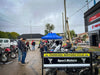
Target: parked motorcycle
7	53
14	51
4	57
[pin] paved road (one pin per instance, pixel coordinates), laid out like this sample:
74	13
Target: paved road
32	68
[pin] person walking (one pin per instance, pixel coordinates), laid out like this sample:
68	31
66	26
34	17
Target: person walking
24	51
33	45
19	50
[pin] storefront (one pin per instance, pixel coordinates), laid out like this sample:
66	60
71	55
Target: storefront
92	24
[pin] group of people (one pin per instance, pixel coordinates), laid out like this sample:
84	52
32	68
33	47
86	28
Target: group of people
44	45
54	45
23	47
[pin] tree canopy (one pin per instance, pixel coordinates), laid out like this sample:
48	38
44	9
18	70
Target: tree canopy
72	33
49	28
10	35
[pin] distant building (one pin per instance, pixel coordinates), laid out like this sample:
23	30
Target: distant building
82	34
31	37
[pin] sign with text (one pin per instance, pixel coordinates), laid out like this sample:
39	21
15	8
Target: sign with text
66	60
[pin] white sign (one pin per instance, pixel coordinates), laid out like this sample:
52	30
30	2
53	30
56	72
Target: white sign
95	26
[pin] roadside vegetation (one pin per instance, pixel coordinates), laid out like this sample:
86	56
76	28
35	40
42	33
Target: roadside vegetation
10	35
90	49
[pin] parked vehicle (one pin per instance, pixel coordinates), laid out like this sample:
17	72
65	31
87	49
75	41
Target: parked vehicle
4	57
7	43
7	53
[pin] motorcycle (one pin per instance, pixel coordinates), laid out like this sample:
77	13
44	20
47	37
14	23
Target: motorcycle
79	71
4	57
7	53
14	51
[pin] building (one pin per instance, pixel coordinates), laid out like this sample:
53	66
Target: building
82	34
92	24
31	37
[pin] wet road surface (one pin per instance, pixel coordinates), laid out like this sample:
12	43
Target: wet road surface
32	68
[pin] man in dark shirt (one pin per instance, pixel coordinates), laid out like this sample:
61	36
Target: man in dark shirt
19	49
24	50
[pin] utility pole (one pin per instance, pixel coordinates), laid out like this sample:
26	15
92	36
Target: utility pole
87	4
30	28
66	24
63	26
65	19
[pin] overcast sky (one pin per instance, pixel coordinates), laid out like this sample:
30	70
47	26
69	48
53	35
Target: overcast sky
30	16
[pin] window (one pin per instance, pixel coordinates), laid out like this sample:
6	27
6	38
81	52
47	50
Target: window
1	41
5	41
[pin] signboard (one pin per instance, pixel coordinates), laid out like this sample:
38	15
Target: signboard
95	26
95	17
66	60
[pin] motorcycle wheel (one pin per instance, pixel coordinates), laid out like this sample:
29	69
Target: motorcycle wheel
13	55
4	58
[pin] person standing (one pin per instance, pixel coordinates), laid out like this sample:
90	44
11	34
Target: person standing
19	50
42	47
27	44
45	45
24	51
68	44
33	45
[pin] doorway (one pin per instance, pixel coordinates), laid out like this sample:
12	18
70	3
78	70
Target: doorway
94	40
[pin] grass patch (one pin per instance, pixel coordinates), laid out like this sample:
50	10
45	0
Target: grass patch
90	49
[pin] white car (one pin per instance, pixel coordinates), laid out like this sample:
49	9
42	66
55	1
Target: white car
4	42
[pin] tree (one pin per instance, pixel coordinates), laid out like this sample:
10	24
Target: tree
58	34
72	33
3	35
84	37
12	35
49	28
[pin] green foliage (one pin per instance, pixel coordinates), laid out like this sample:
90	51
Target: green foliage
72	33
58	34
3	35
84	37
49	28
12	35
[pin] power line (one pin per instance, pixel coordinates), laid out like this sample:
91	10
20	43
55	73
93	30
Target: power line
79	9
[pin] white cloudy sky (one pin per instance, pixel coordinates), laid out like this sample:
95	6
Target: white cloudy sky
22	15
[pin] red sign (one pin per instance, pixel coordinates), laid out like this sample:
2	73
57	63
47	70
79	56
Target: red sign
94	17
95	26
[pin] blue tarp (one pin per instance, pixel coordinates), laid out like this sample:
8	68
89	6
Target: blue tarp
51	36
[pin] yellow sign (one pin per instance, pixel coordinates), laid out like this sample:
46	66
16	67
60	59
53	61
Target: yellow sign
66	54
